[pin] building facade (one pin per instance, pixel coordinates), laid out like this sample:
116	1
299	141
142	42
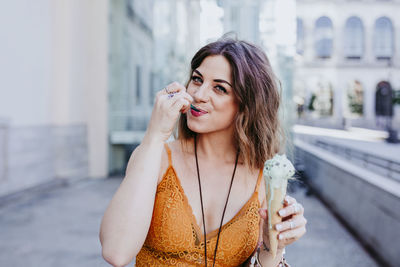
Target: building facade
348	53
131	76
242	18
151	43
53	94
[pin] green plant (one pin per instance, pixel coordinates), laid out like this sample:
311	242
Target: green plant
355	105
396	97
311	104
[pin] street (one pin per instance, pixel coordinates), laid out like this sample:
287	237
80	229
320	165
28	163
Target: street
59	227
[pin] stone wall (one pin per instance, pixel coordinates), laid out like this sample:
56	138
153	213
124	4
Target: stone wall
3	148
367	202
33	155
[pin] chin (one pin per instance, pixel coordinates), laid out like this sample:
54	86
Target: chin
201	129
194	128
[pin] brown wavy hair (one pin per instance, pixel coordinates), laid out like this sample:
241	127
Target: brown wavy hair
257	130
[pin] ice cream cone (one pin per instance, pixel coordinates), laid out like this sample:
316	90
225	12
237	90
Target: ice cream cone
276	203
277	171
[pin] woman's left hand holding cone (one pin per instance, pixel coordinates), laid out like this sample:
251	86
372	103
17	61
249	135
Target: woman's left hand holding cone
292	227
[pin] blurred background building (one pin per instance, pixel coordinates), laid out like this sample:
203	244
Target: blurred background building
78	80
345	56
54	91
150	43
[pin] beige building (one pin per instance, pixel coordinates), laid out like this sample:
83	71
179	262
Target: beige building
53	97
347	51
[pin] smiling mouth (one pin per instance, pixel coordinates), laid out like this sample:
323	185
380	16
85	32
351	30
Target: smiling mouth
196	111
194	108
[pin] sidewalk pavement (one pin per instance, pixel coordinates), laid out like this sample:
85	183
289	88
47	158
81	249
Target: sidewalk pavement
59	227
327	242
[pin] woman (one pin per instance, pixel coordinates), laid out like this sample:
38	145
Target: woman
206	187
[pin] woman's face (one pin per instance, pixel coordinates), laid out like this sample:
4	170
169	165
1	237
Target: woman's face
214	104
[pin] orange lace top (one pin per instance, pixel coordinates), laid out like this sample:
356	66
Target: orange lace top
175	239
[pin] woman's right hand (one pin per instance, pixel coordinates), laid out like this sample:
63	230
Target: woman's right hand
166	111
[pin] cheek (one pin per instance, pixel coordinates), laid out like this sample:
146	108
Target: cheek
228	111
190	89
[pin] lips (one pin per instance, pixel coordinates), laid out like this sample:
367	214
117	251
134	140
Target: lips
196	111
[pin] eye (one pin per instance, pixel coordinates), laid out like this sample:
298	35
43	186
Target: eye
221	89
196	79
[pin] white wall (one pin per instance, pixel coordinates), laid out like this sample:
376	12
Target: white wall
25	61
54	69
80	73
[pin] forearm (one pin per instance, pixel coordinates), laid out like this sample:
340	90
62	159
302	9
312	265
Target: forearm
127	219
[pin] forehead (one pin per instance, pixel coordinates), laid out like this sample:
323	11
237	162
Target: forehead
216	67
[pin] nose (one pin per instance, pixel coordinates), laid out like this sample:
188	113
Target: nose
202	93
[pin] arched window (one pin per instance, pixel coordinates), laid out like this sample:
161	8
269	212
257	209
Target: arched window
354	38
300	36
323	37
383	38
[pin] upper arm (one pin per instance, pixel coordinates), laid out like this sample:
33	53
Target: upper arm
163	164
130	161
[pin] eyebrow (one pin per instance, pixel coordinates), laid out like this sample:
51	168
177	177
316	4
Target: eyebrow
216	80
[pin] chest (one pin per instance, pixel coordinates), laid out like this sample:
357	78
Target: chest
175	228
215	180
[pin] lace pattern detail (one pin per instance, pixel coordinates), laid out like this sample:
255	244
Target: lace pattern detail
175	239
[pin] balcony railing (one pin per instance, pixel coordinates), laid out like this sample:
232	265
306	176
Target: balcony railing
369	161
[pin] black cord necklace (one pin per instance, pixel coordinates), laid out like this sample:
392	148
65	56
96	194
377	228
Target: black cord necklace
202	208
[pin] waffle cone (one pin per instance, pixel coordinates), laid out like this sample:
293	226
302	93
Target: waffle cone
276	205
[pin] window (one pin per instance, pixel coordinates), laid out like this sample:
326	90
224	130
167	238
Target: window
300	36
138	84
354	38
323	37
383	38
254	23
152	87
235	18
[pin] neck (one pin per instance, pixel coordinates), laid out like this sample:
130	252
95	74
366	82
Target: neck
216	147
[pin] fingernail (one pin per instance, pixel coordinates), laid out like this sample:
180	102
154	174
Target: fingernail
278	227
280	237
282	212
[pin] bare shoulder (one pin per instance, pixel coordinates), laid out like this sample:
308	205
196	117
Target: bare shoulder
176	153
179	151
164	164
177	147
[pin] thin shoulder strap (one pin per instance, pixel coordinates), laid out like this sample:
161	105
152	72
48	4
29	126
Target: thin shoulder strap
260	175
169	154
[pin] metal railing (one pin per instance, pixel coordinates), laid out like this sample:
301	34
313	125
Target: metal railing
369	161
